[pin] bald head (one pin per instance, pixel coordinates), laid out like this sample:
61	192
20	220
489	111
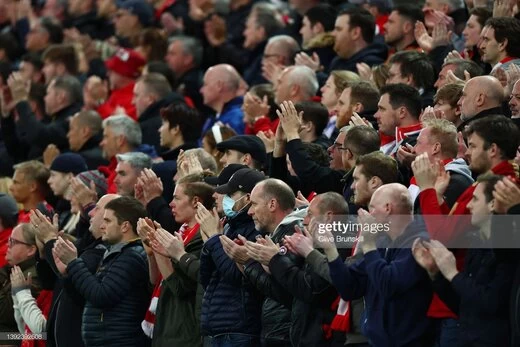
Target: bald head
226	74
97	213
221	84
480	93
396	195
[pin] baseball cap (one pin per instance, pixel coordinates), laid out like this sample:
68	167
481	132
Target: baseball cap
126	62
244	180
225	175
245	144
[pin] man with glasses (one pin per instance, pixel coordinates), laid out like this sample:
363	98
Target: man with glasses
20	252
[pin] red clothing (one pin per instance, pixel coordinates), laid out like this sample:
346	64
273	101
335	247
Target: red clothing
119	98
450	229
25	216
262	124
110	174
43	302
4	237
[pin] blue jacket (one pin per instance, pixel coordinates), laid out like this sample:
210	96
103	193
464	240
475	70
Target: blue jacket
228	305
231	115
396	289
117	296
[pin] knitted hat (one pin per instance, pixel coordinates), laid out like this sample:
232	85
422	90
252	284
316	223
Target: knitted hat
98	178
69	162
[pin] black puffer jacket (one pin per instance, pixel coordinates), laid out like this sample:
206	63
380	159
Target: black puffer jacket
117	296
312	300
276	309
228	306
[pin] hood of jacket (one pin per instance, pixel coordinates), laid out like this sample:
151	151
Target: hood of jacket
459	166
320	41
295	216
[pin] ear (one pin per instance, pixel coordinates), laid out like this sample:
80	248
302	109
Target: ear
401	113
457	110
120	140
502	45
355	33
195	201
295	89
272	205
358	107
436	148
32	251
494	151
85	132
491	205
318	28
481	99
175	130
33	186
408	27
247	159
374	183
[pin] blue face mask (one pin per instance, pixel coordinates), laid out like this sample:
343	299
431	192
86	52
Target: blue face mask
227	206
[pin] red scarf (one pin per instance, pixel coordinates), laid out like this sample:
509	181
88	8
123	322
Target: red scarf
149	319
44	304
341	321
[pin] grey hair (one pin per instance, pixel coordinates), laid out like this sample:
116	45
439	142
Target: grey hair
332	201
71	86
156	84
206	160
137	160
190	46
267	16
90	119
126	126
305	78
287	45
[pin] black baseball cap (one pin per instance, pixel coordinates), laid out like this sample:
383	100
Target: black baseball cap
244	180
225	175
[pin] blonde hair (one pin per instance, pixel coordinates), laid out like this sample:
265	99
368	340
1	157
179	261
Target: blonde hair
445	132
344	79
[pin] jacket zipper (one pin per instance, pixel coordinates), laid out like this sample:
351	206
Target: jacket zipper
101	316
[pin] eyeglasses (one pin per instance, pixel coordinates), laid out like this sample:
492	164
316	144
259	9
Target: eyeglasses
12	242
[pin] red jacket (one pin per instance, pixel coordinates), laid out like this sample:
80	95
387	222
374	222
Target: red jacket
450	229
109	172
262	124
119	98
4	237
43	302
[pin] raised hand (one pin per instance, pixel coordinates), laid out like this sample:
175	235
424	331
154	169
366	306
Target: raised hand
290	120
83	194
44	228
263	250
311	62
18	280
424	172
506	194
65	250
209	221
